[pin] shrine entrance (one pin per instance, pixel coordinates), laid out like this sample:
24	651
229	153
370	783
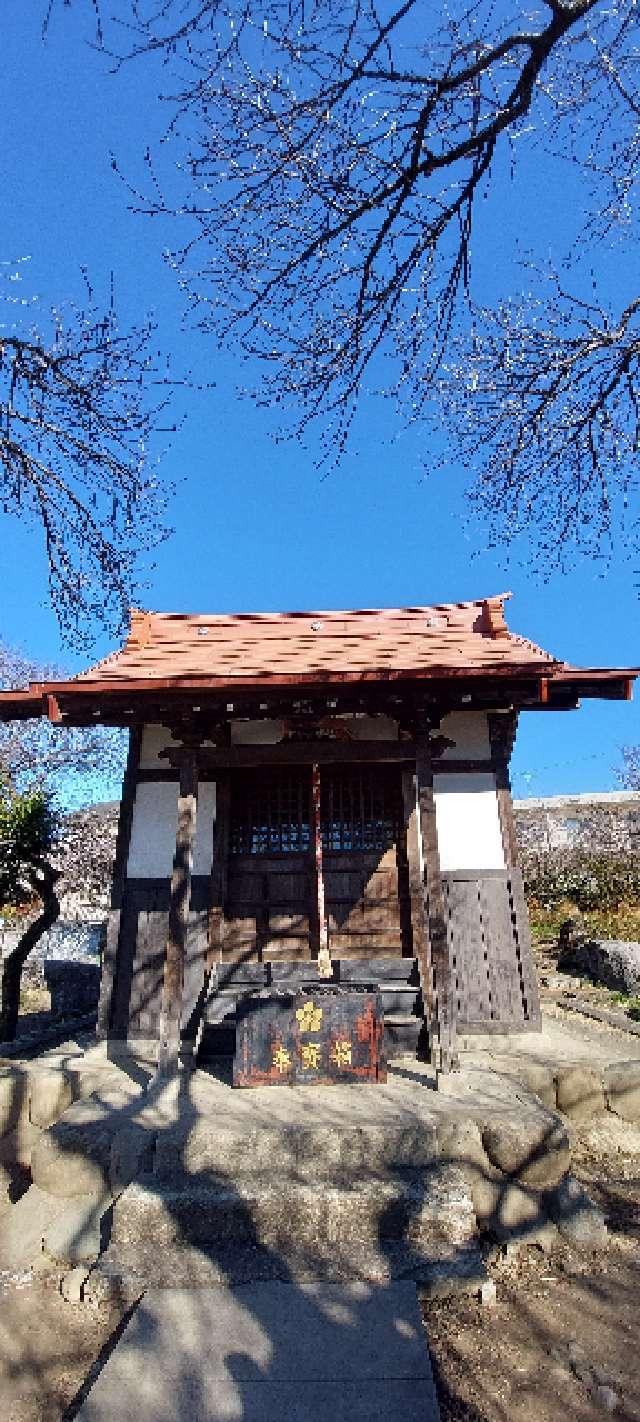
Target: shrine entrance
271	900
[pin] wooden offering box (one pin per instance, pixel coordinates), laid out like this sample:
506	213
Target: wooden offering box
322	1036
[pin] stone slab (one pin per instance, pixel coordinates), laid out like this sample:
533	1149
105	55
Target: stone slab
24	1226
265	1352
73	1236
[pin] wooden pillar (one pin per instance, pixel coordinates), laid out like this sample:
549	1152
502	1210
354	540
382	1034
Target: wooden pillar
502	730
319	913
172	987
438	969
219	869
119	882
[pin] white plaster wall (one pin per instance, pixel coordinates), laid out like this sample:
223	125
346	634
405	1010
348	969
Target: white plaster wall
371	728
467	822
256	733
154	739
470	731
153	830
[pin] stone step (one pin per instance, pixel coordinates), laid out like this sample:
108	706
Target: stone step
362	1228
307	1151
402	1034
124	1272
400	999
243	976
381	970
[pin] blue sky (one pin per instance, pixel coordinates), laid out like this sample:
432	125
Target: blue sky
255	525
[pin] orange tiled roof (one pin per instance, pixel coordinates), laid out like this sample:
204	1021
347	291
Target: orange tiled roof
313	645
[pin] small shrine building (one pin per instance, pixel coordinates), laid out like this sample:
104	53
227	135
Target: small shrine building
317	795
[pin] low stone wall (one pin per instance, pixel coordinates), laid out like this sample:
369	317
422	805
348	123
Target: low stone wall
74	987
68	942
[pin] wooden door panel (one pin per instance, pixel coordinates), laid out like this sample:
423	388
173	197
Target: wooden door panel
367	945
363	917
295	923
285	948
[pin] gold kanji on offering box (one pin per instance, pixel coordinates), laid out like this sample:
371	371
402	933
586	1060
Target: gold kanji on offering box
326	1035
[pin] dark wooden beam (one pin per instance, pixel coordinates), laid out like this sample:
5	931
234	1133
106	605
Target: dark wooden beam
421	944
180	896
295	753
319	913
441	985
502	732
219	869
118	884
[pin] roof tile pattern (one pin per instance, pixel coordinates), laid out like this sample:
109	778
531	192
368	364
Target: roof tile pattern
313	645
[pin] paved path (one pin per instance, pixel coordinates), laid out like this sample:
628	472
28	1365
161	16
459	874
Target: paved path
272	1352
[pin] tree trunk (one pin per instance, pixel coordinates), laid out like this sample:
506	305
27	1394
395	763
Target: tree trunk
11	967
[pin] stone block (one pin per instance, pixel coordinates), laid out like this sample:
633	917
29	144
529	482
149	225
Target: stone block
506	1209
537	1077
73	1237
622	1089
14	1099
459	1139
131	1155
579	1092
578	1218
50	1093
73	1157
17	1146
534	1149
612	962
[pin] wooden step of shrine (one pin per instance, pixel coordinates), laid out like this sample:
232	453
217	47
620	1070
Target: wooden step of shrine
395	977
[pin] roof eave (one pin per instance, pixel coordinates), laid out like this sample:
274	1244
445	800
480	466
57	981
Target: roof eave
43	699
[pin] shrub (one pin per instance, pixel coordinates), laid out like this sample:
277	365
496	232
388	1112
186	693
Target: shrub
28	828
590	882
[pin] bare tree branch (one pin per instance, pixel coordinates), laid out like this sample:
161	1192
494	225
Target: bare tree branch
331	160
80	401
68	761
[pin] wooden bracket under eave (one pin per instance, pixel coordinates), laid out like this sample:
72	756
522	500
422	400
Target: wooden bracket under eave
544	690
628	688
53	710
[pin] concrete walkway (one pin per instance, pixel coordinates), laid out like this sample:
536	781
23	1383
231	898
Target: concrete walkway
272	1352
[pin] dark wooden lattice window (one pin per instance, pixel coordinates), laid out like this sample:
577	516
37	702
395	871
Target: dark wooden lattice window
360	808
270	812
